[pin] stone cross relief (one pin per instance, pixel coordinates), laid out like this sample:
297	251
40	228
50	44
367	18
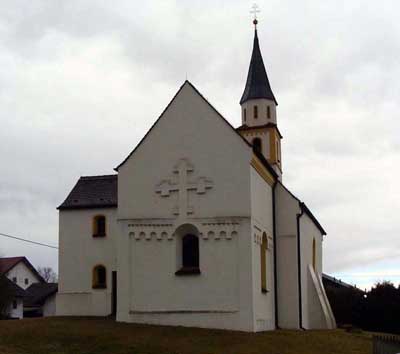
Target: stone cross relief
182	185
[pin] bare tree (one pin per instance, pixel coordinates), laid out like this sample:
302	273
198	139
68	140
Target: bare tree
48	274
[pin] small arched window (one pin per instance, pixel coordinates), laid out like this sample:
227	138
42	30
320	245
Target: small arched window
263	260
99	226
257	146
255	112
99	277
190	251
314	255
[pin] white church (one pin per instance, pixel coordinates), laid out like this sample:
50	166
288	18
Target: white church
196	228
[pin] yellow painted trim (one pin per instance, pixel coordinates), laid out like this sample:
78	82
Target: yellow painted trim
274	138
314	256
262	171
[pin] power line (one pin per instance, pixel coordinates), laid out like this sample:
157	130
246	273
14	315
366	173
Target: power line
29	241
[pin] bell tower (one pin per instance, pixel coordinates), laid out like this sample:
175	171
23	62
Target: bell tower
259	122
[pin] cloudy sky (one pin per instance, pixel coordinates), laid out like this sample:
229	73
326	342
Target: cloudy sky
82	81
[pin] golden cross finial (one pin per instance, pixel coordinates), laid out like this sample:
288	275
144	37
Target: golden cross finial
254	10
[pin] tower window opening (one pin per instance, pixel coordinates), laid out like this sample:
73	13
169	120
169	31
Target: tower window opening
244	114
268	112
257	145
255	112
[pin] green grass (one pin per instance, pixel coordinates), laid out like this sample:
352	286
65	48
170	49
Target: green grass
89	336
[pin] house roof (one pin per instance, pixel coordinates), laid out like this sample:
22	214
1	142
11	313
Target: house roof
16	290
7	263
257	84
37	293
337	282
93	192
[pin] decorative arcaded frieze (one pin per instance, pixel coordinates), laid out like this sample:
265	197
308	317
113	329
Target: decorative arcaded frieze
208	230
158	225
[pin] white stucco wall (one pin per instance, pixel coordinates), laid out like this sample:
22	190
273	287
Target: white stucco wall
49	307
287	207
312	313
79	253
262	104
221	296
262	221
189	129
22	272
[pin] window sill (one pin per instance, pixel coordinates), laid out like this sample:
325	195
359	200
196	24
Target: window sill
264	291
188	271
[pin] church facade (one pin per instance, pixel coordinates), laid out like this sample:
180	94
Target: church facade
196	228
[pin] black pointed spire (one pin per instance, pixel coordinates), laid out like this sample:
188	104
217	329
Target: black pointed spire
257	84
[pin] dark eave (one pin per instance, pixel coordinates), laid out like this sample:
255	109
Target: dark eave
313	218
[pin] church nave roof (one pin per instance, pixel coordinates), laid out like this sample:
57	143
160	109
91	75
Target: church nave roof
93	192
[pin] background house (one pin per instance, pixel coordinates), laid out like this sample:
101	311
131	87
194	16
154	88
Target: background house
40	300
12	299
27	292
20	271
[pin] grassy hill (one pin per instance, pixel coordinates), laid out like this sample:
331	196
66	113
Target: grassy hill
89	336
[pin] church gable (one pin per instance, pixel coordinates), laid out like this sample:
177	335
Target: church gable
191	155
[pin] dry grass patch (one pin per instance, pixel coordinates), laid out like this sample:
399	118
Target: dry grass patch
104	336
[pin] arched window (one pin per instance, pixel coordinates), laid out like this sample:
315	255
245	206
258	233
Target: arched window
99	226
255	112
190	251
187	250
257	145
314	256
99	280
263	260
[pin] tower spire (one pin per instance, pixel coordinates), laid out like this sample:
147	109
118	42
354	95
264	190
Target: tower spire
257	84
258	104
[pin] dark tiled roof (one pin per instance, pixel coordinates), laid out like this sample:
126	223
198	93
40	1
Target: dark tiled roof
7	263
93	192
37	293
257	84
